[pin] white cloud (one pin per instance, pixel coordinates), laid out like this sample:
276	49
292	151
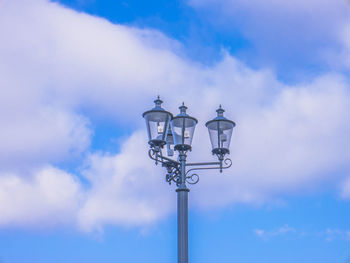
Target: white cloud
34	136
298	140
345	188
126	189
285	34
281	231
329	234
292	6
340	58
49	197
61	68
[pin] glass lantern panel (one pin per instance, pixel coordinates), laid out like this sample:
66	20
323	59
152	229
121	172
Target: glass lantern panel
213	134
183	129
169	136
220	133
157	124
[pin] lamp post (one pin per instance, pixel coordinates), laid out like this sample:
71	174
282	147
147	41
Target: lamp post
177	134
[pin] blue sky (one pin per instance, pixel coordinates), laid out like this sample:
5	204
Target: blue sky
76	184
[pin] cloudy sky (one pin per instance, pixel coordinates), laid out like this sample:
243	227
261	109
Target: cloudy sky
76	184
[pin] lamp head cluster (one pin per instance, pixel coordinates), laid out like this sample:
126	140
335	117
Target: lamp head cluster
165	129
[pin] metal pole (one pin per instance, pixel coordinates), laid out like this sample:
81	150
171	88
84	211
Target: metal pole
182	213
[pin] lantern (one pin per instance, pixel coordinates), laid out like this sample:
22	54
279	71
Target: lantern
183	127
220	132
157	122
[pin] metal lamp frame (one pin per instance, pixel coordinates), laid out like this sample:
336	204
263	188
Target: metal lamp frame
182	173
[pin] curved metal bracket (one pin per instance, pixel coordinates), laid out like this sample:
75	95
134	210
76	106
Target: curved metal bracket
172	166
192	179
158	157
227	162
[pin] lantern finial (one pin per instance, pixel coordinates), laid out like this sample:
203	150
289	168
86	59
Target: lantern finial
158	102
220	111
183	109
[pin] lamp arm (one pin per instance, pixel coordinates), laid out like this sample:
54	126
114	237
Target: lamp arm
201	164
227	164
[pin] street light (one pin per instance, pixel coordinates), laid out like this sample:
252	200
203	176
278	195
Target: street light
220	132
183	126
164	129
157	121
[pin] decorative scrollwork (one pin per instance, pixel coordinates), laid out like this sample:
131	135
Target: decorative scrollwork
153	155
192	179
173	174
172	166
228	163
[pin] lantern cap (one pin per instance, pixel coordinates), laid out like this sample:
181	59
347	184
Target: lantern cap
183	113
220	117
183	109
220	111
157	107
158	102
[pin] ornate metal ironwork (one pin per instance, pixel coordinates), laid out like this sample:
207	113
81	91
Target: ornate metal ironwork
173	167
192	179
173	174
